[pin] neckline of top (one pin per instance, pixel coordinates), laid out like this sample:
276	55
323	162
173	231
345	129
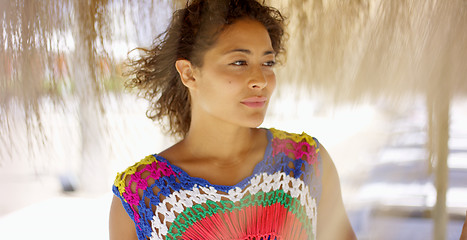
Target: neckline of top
202	181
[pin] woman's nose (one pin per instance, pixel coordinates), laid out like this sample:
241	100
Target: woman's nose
258	79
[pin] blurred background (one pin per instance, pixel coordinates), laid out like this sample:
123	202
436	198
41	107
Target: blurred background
381	84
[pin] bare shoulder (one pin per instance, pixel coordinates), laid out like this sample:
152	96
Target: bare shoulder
122	211
327	162
120	224
332	215
136	193
176	154
330	177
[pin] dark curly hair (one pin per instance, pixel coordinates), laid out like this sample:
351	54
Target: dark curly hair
192	31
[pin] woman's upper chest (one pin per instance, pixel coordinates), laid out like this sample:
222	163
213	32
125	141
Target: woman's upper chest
222	173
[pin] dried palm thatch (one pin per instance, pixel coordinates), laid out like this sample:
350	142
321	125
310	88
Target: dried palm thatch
351	50
56	49
59	50
33	63
371	48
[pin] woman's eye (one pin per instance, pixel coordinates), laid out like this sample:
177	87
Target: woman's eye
270	63
239	63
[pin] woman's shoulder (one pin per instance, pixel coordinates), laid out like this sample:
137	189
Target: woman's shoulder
299	156
296	137
139	188
142	174
298	146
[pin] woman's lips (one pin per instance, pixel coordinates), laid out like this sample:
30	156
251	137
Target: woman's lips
255	102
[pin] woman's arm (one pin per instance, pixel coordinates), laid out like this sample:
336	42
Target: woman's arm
464	230
333	223
121	227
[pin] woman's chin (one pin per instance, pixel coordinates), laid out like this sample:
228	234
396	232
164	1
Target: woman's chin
256	122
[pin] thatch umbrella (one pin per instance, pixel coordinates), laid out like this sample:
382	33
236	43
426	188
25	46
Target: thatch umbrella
355	50
38	62
349	49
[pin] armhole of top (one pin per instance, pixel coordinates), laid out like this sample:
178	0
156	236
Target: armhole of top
122	178
318	147
123	182
318	171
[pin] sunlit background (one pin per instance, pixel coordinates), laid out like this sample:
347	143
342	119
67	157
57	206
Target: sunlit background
381	84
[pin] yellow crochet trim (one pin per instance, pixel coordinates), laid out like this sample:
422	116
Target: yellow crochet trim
120	179
295	137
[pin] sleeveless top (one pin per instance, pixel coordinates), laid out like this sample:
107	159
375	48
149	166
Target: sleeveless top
278	201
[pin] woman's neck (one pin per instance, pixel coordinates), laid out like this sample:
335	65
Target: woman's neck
224	146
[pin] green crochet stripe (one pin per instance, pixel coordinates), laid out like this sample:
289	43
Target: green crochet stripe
198	212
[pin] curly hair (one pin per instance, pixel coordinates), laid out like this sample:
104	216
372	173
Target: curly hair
192	31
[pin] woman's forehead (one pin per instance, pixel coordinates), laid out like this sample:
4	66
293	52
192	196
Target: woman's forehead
243	34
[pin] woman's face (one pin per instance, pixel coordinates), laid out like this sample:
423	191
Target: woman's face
237	78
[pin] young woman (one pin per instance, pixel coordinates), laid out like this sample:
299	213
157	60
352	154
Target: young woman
211	76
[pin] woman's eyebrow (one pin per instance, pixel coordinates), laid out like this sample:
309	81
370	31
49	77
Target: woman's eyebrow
246	51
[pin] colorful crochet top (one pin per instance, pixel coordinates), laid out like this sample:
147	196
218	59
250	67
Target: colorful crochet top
278	201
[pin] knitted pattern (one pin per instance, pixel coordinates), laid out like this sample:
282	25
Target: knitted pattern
278	201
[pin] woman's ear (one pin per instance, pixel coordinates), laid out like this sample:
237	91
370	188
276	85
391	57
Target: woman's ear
186	71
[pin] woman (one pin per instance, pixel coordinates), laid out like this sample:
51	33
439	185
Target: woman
211	75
